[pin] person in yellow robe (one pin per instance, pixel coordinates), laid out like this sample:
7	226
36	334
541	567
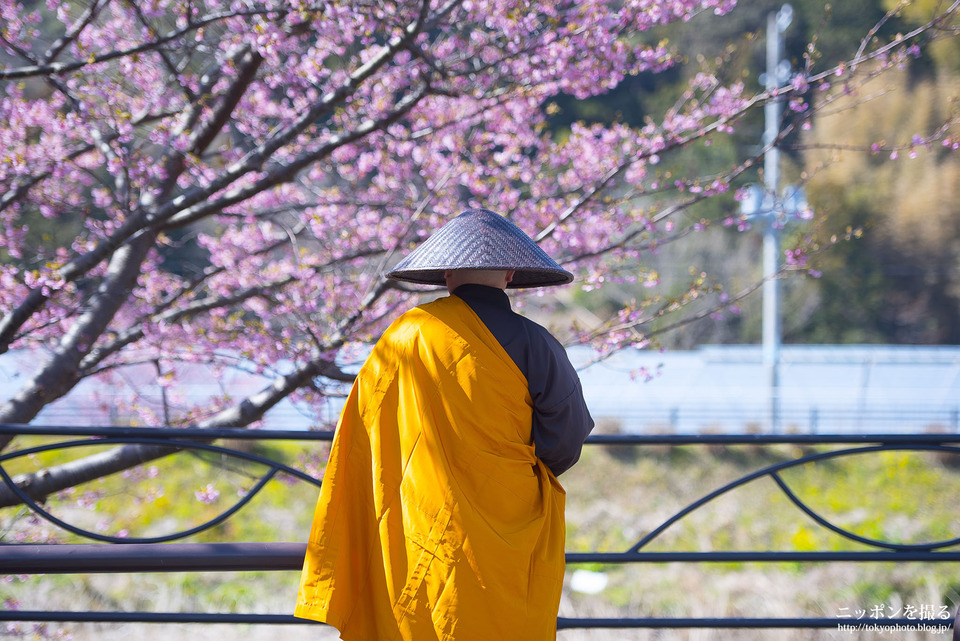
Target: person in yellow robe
440	514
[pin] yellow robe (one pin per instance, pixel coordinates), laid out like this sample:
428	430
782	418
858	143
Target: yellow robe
435	518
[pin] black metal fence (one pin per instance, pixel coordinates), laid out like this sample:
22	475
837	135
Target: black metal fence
160	554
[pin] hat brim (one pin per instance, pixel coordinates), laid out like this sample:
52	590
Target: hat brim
480	239
522	278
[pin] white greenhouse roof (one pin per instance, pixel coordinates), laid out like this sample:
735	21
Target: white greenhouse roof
823	388
720	389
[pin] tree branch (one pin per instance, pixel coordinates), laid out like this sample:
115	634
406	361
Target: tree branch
249	62
40	484
73	32
281	173
101	352
59	68
192	205
61	372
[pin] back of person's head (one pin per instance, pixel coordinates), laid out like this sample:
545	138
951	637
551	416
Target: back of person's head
499	278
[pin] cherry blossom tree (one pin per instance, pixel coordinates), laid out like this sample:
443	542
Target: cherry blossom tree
222	183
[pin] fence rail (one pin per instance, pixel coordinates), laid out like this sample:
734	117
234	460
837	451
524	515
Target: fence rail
786	416
115	555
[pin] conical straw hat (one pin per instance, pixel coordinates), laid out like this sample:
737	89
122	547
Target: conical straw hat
480	239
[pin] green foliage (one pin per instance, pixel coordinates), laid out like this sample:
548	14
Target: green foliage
944	53
889	285
852	306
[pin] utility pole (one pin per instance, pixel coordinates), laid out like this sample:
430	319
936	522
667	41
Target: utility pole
763	205
777	24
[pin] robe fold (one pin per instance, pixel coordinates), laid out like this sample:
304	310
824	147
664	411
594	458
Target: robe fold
435	518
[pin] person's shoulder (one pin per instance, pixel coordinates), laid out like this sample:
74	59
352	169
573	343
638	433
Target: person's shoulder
538	332
407	323
437	303
415	318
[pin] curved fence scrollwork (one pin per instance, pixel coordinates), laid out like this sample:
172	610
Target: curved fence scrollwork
773	471
177	442
132	553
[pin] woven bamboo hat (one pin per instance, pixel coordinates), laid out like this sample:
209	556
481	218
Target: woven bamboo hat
480	239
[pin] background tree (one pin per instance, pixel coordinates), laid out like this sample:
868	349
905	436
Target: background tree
224	184
905	272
